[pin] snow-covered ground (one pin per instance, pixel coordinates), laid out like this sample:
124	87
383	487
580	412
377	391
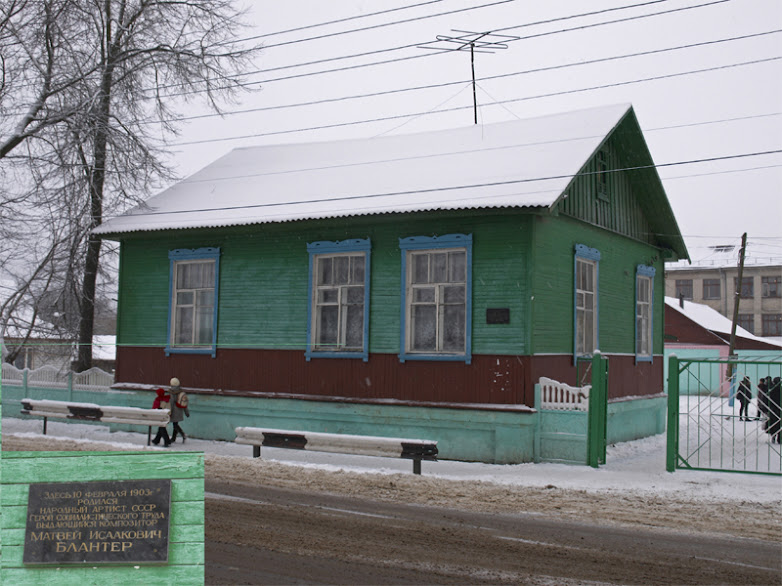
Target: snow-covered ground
637	466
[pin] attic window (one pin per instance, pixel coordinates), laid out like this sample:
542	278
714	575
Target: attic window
601	175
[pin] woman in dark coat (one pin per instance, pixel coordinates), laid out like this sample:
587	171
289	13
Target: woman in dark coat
774	398
763	397
744	396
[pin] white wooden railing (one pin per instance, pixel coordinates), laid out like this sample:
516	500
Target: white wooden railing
93	379
562	397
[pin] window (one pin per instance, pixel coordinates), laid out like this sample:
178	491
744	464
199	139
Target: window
684	288
711	288
747	287
644	280
339	299
437	297
193	300
772	324
747	321
771	286
586	307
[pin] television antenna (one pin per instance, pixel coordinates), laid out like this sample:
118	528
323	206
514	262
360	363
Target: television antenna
476	42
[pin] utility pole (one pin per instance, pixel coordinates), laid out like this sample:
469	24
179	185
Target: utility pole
739	286
482	41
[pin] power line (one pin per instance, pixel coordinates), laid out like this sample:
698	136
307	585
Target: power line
458	108
330	22
455	187
385	24
351	67
460	82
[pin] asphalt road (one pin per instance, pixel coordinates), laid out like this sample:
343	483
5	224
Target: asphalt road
261	535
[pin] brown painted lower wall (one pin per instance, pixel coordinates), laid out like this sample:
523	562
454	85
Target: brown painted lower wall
497	380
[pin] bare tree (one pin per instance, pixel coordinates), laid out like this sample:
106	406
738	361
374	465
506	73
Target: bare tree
96	84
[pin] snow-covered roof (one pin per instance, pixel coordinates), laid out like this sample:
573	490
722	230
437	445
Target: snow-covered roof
712	320
726	255
524	163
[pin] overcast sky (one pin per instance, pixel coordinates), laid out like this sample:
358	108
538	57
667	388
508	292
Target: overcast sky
734	108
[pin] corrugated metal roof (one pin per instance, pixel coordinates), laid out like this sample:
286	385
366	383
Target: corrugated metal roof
524	163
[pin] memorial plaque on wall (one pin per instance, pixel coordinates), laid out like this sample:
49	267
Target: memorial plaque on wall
123	521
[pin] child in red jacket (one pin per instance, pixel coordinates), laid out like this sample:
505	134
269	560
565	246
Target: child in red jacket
162	401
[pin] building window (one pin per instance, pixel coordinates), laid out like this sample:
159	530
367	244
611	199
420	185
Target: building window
644	281
747	287
436	297
772	324
339	299
585	304
193	300
711	288
684	288
771	286
747	321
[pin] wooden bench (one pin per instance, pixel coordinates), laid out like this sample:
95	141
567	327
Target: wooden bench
92	412
361	445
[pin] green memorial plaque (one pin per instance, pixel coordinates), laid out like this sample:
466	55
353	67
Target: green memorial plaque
119	522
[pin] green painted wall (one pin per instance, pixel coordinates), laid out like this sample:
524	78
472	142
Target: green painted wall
264	272
553	283
618	210
186	528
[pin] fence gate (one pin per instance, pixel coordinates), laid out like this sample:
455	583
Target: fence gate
571	421
707	431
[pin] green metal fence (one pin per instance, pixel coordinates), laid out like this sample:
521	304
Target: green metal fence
707	431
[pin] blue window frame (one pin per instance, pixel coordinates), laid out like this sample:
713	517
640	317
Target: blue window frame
644	313
338	310
585	301
436	312
192	301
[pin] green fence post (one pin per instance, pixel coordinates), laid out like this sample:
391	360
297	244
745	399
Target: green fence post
70	385
672	444
598	406
538	423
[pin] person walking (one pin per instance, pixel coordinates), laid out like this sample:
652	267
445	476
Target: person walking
744	396
162	401
179	410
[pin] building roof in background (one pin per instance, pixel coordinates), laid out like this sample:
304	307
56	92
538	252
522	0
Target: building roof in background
727	256
713	321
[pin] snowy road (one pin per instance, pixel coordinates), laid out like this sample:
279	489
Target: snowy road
257	534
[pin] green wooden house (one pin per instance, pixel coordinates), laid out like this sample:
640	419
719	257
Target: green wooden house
414	286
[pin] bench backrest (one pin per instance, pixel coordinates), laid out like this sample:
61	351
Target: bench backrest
94	412
362	445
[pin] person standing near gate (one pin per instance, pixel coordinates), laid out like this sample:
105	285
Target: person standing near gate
774	398
763	398
179	408
744	395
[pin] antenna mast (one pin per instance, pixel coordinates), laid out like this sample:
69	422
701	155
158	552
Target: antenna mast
486	42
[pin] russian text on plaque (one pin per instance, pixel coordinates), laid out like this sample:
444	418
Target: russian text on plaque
122	521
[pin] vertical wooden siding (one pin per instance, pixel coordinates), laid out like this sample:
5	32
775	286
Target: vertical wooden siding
621	211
